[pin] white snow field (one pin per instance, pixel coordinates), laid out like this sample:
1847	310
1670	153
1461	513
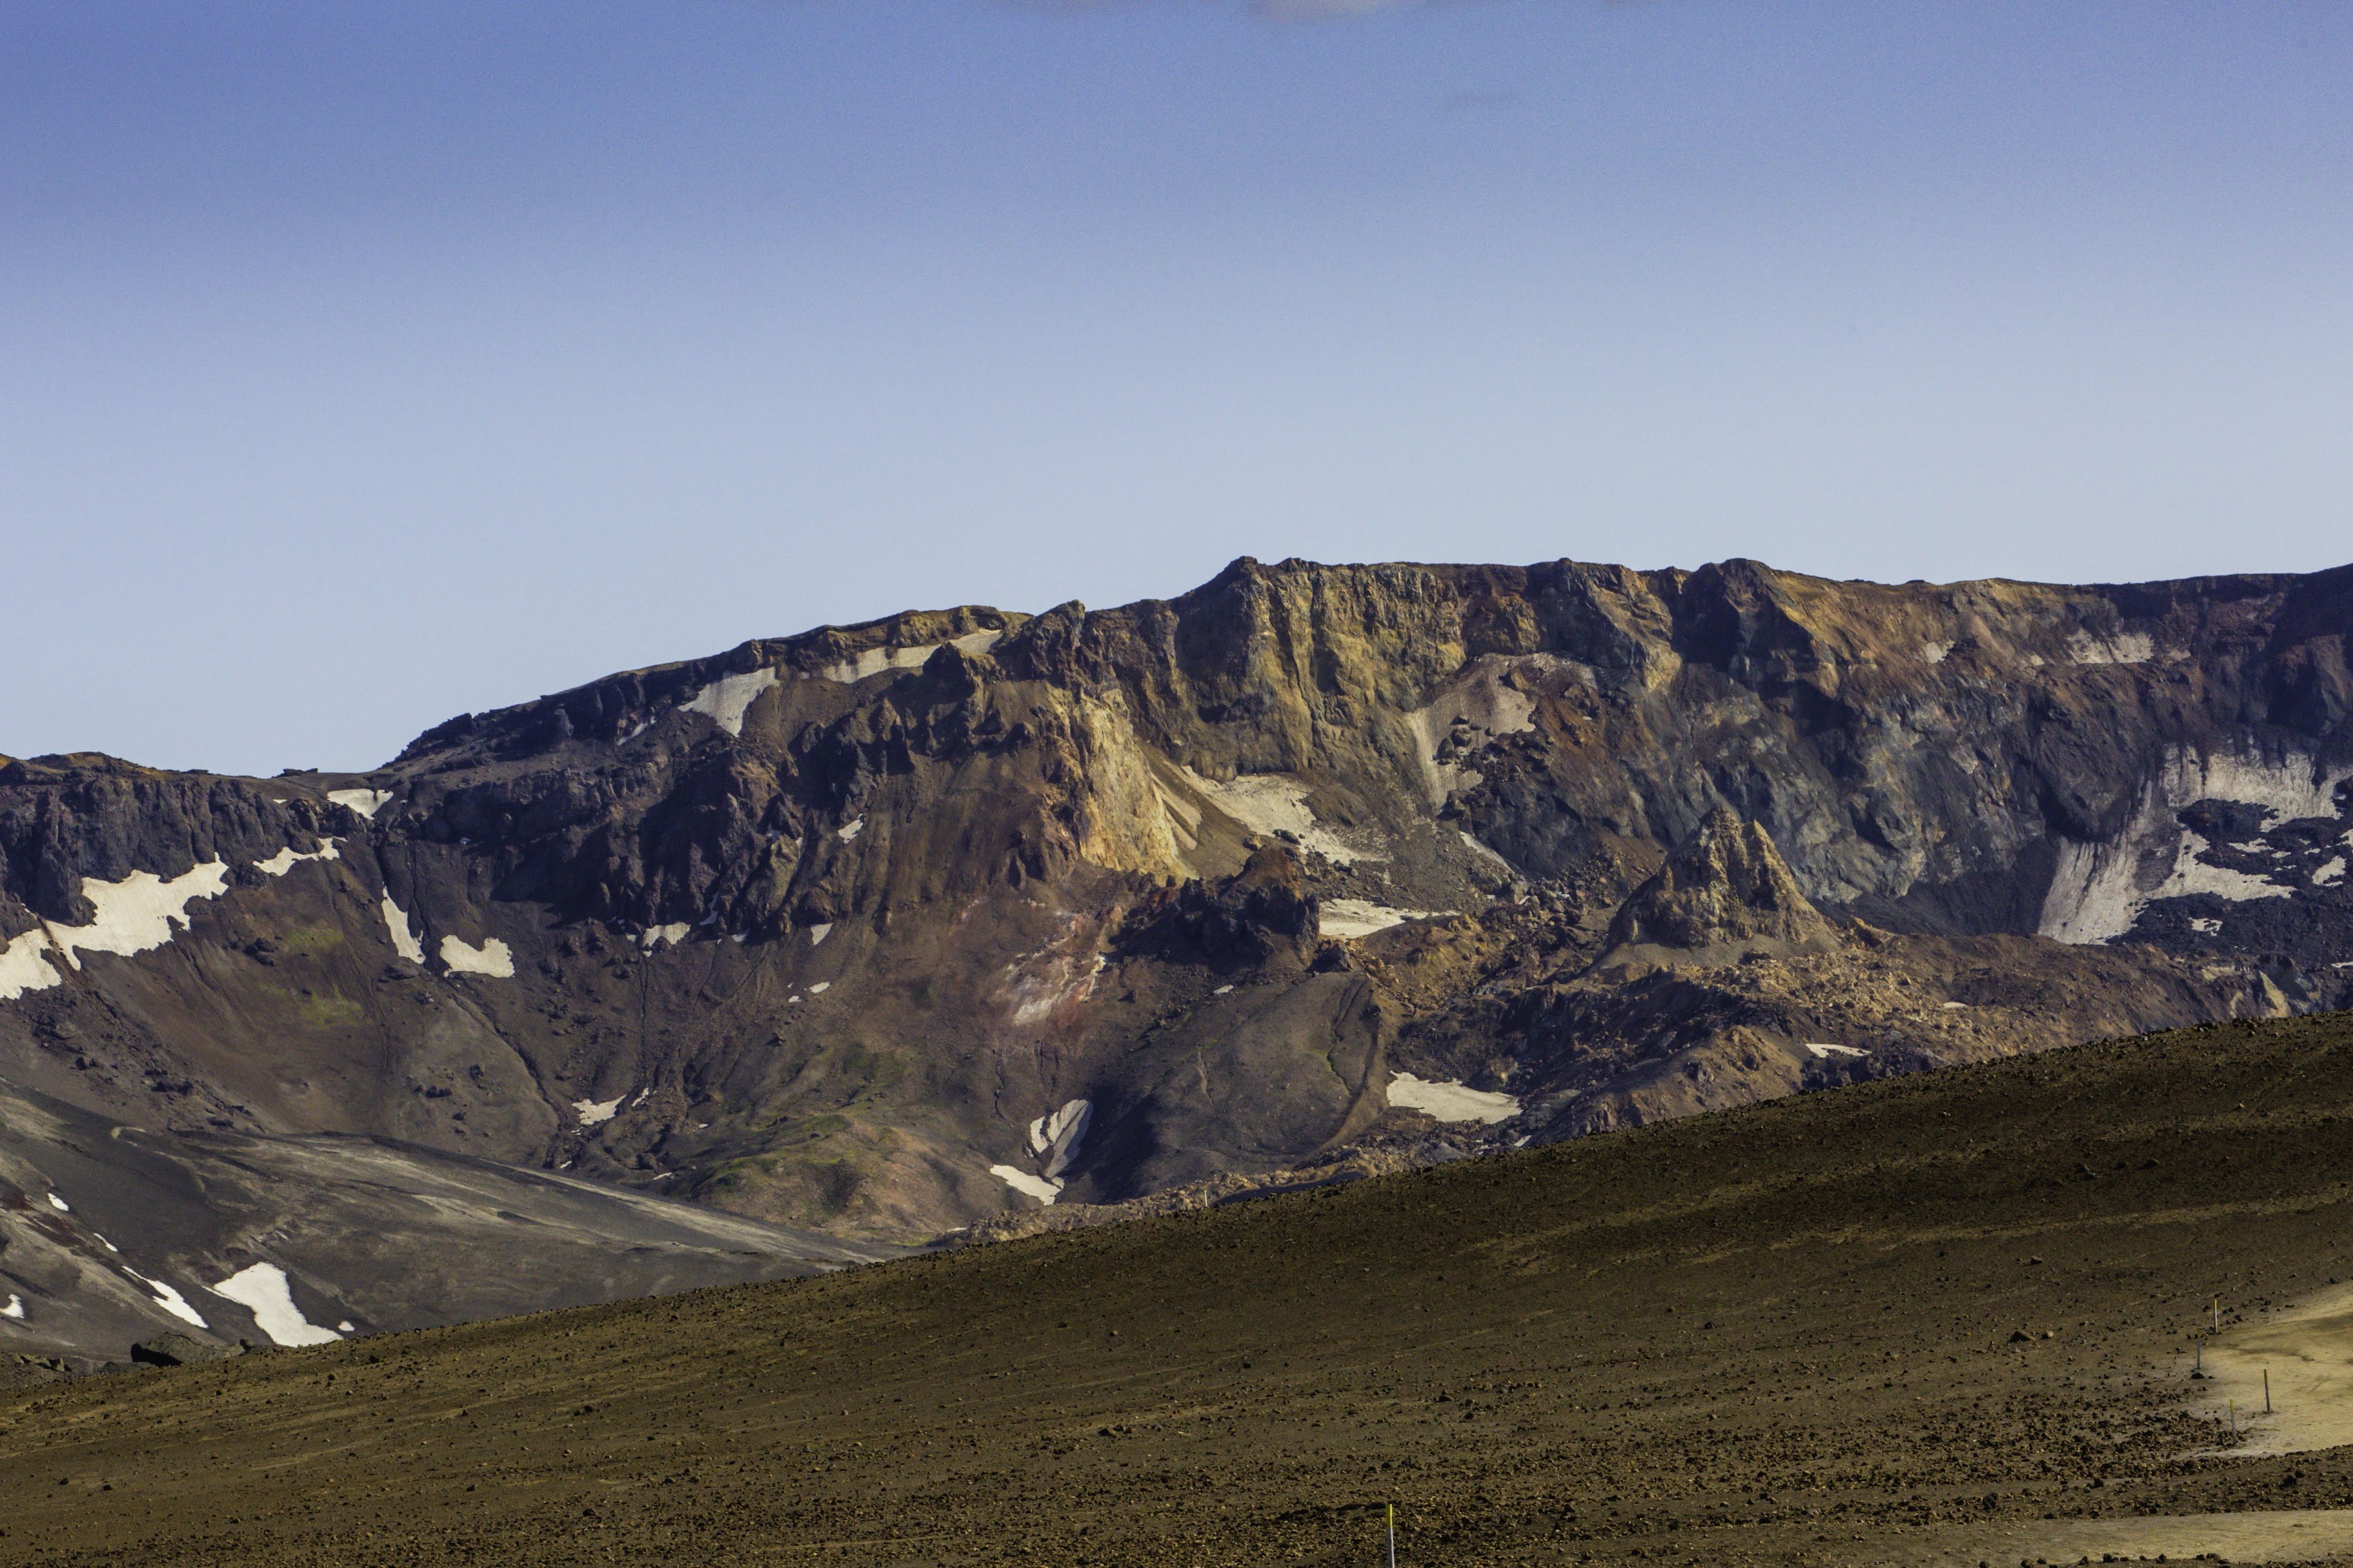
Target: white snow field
367	802
493	958
60	1204
2100	889
1825	1052
15	1309
135	915
1021	1181
727	698
1059	1135
672	934
875	660
403	938
286	859
262	1288
596	1112
171	1301
1450	1101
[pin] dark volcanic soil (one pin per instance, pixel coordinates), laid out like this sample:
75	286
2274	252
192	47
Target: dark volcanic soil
1786	1333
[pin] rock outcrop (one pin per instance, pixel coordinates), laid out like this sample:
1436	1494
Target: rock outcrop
1723	895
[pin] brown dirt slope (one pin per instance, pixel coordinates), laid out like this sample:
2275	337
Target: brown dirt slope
1790	1333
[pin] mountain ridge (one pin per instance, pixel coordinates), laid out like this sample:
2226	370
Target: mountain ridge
1308	861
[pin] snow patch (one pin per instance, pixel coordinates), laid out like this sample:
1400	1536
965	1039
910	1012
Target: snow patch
493	958
1057	1135
365	802
286	859
345	1327
2099	890
875	660
1358	917
2330	874
135	915
822	987
15	1309
1221	990
1450	1101
171	1301
596	1112
261	1288
1824	1053
726	699
2205	926
853	828
106	1244
403	938
1021	1181
672	934
22	967
818	933
1934	652
1956	1006
60	1204
642	1095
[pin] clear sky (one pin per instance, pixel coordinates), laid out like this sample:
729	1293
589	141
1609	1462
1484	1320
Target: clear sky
366	362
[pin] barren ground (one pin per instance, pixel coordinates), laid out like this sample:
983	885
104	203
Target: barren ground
1782	1334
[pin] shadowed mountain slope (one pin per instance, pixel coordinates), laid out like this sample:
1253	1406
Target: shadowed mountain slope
112	1234
1939	1318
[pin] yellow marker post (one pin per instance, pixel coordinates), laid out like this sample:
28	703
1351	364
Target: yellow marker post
1392	1535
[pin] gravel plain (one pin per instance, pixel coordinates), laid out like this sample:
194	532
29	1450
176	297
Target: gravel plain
1939	1318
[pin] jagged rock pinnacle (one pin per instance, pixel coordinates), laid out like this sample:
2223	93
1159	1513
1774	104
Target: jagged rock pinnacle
1724	894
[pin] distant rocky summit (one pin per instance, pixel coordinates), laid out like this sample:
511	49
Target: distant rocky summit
877	933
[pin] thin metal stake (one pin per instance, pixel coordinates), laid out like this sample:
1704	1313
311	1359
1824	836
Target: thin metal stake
2200	1343
1392	1535
2234	1418
2267	1391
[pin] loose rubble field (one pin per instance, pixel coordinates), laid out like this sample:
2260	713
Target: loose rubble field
1943	1318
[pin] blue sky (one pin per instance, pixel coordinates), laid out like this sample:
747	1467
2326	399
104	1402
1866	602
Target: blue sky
361	364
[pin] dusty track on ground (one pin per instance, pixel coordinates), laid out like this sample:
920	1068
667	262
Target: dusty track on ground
1776	1335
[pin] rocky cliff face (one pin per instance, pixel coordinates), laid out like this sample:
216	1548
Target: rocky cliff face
832	929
